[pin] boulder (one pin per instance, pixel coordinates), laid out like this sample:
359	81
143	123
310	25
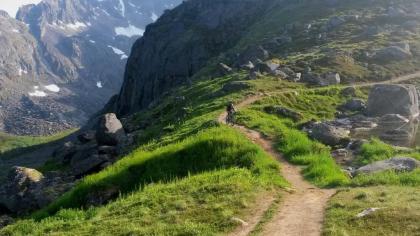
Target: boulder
90	165
65	152
267	67
6	220
110	130
248	66
290	74
393	99
354	105
86	137
17	193
322	80
26	190
253	54
235	86
349	92
356	145
399	164
284	112
329	134
331	79
393	53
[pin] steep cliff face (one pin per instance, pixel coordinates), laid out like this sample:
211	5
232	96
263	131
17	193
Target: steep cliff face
77	48
180	43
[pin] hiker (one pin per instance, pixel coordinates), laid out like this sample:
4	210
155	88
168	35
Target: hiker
231	111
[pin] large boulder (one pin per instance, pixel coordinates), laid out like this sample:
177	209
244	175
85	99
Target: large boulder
267	67
26	190
329	134
253	54
399	164
110	130
395	52
16	194
393	99
283	112
5	220
90	164
354	105
322	80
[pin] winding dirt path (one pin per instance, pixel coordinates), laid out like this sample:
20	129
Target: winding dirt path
302	210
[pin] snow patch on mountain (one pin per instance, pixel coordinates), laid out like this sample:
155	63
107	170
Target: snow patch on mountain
129	31
37	92
118	52
52	88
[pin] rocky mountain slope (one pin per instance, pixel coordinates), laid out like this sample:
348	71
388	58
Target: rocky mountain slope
62	60
345	42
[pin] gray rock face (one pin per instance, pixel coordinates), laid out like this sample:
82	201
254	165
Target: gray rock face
329	134
393	99
399	164
110	130
79	46
155	66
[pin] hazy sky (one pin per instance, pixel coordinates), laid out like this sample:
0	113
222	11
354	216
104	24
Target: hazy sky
11	6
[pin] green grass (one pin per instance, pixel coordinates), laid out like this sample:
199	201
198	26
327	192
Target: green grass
319	168
198	205
388	178
211	150
375	150
9	142
399	213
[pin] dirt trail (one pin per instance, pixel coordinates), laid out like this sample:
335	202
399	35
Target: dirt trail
398	79
302	211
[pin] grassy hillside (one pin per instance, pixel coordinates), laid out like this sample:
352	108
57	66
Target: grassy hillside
198	184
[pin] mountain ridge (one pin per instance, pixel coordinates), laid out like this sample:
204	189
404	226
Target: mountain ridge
82	47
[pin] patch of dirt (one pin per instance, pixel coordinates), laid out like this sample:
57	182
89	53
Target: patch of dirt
262	204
